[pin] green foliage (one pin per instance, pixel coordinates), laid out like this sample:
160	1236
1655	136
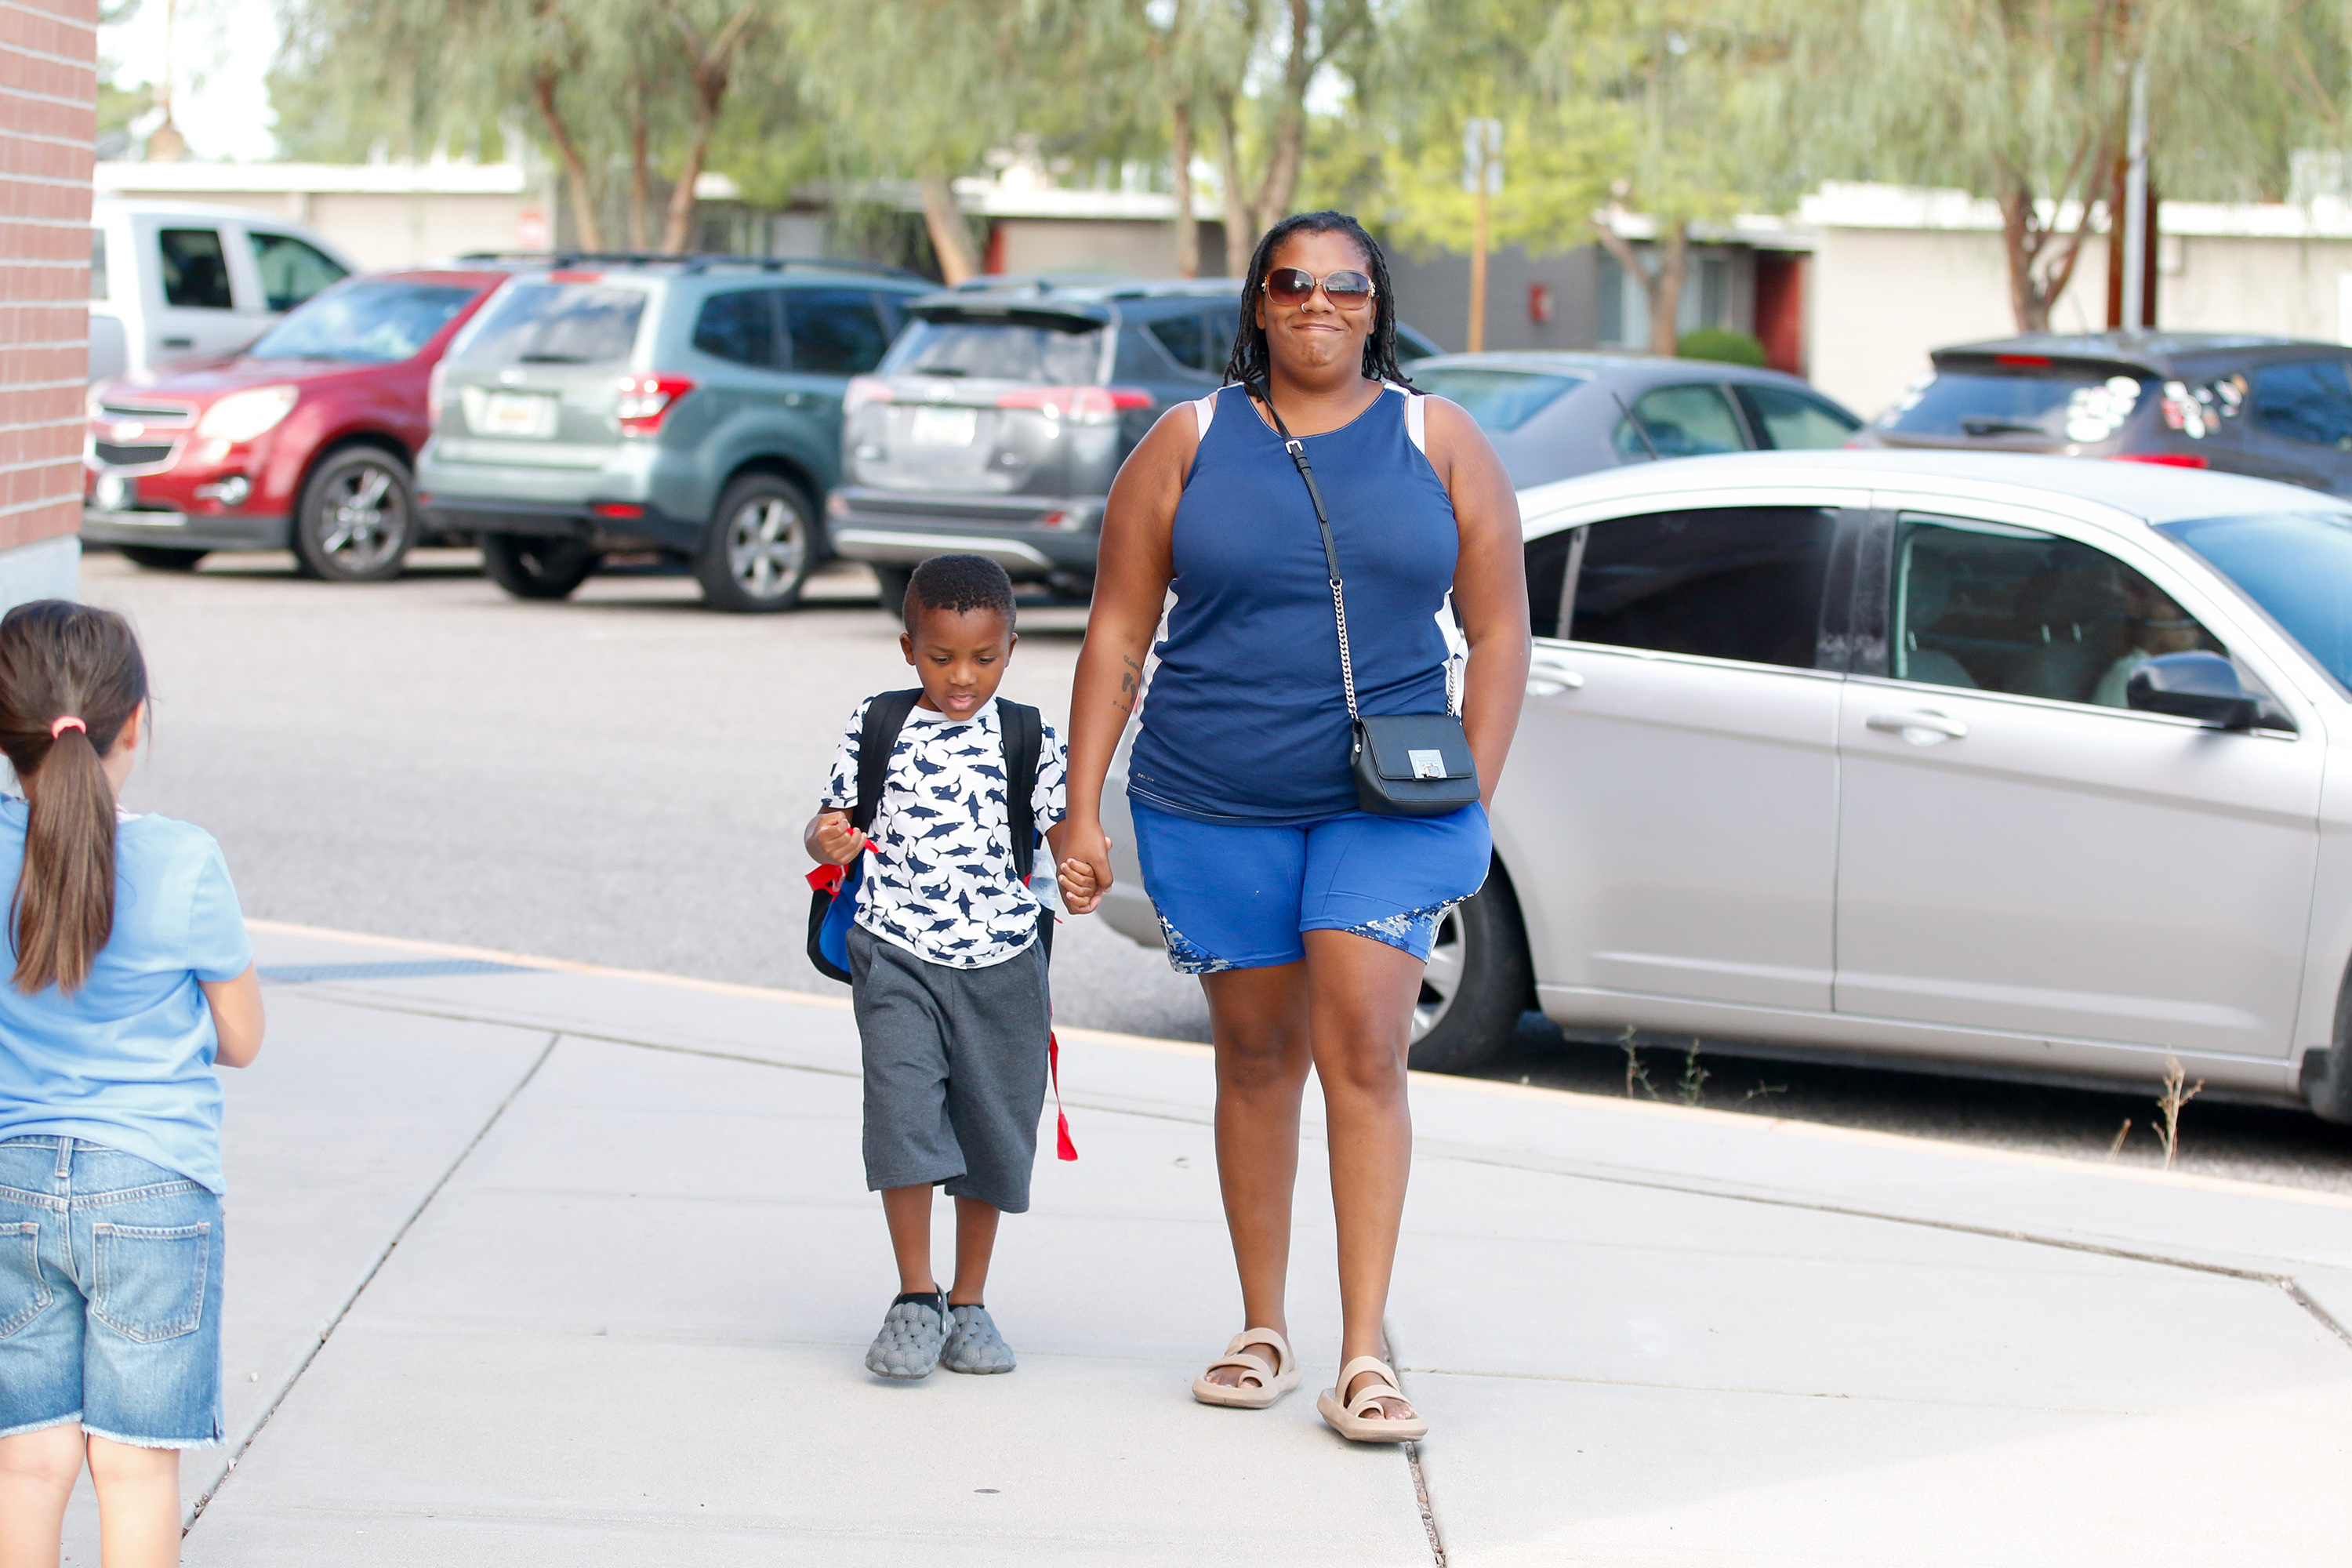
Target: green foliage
1722	345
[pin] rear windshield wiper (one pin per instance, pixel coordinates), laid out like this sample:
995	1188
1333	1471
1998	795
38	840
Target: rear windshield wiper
1999	428
550	359
940	370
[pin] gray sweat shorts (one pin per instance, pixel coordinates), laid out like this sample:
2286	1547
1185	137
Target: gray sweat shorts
955	1069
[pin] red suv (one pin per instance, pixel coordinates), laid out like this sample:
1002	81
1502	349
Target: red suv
303	440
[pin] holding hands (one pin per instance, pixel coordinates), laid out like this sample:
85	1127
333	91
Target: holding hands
1085	869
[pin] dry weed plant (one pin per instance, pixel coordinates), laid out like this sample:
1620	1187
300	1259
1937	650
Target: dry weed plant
2122	1132
1636	1073
2169	1102
1694	1077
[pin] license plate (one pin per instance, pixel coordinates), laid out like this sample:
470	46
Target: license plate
936	427
526	414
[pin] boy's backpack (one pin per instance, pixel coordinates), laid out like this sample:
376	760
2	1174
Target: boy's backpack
833	889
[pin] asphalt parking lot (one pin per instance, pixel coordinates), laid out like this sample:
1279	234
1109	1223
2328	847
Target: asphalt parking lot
622	778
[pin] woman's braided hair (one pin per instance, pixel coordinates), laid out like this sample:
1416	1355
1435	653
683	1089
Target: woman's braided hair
1248	365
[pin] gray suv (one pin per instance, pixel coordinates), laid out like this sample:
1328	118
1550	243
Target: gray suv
1001	414
630	405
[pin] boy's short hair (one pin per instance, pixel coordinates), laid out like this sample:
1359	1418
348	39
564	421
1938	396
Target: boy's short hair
960	582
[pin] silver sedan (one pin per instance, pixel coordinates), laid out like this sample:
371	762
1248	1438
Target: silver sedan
2010	765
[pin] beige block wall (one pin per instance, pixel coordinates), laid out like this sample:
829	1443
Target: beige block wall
2290	287
1877	300
1136	248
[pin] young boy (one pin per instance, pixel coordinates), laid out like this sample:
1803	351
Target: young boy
947	960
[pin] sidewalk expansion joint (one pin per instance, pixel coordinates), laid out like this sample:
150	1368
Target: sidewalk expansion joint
374	1268
1413	1460
2286	1282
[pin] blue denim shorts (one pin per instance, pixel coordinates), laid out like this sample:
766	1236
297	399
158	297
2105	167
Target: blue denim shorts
110	1296
1238	896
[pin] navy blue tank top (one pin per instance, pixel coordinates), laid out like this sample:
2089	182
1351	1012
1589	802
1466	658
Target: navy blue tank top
1245	719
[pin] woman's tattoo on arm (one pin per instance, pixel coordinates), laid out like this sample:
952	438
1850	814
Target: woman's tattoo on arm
1128	688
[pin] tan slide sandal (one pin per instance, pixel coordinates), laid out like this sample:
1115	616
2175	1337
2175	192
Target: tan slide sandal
1350	1421
1272	1383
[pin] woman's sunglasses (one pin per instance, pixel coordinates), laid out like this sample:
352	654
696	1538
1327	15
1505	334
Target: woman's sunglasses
1349	291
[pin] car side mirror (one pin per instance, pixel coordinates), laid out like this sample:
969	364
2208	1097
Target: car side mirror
2202	685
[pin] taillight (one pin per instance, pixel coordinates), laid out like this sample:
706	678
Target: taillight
1078	404
2165	459
646	399
866	389
433	384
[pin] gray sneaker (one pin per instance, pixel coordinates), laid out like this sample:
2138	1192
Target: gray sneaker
973	1343
912	1334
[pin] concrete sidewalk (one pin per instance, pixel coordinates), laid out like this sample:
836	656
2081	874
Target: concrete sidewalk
539	1264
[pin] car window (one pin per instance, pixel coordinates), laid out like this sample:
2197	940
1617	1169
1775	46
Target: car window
1991	608
98	264
2305	400
2055	402
366	323
1499	400
1793	421
1001	352
291	271
195	269
556	324
1186	339
1549	563
835	331
739	326
1681	422
2297	566
1740	583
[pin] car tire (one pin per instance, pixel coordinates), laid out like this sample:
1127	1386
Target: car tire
1477	985
2327	1075
762	542
891	584
357	518
156	558
532	566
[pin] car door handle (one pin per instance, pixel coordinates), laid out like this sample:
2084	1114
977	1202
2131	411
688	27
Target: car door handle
179	342
1546	678
1922	728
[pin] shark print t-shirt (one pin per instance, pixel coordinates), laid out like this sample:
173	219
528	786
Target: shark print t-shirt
939	882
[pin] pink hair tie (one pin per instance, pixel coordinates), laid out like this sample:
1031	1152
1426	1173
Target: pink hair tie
60	725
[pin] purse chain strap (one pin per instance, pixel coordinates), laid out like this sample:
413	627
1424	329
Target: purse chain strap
1297	450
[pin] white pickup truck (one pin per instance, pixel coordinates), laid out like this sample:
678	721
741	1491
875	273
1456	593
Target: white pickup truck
174	280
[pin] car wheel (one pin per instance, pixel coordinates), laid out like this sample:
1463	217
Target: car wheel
1475	985
356	519
531	566
2327	1075
892	582
761	545
155	558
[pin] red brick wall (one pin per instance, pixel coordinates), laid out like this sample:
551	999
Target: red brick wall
49	116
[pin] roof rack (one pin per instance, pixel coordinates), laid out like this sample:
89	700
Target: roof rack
702	261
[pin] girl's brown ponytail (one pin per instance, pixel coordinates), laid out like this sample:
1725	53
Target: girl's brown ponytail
62	661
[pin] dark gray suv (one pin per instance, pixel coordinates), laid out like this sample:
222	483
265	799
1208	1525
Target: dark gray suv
690	409
1001	414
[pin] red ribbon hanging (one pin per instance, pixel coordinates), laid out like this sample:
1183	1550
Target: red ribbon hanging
1063	1148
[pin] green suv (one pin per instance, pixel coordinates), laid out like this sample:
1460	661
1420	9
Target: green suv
691	408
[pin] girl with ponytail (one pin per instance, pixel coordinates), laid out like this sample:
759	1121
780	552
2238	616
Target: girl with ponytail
131	979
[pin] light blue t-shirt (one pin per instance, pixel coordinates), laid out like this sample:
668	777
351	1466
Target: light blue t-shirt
126	1060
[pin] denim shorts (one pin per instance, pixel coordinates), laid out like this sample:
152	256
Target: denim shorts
1235	896
110	1296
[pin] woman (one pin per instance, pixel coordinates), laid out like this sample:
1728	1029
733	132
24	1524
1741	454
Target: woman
1308	919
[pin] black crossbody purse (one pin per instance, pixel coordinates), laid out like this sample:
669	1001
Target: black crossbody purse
1405	764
